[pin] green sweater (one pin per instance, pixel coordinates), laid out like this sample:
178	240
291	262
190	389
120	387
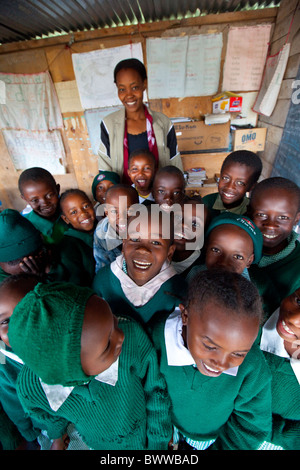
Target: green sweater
134	414
285	403
215	205
278	279
10	402
52	231
170	294
234	410
76	256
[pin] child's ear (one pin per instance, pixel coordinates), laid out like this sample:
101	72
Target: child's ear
297	218
184	314
250	261
171	252
65	219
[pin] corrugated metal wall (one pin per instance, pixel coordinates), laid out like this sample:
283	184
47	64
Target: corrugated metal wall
28	19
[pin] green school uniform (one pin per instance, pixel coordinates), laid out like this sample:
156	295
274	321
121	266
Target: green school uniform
107	285
277	276
215	205
285	386
52	231
76	256
233	410
133	414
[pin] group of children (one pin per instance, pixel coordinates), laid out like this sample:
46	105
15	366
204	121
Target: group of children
129	328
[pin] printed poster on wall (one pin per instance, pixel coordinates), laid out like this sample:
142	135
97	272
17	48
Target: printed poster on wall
94	74
246	54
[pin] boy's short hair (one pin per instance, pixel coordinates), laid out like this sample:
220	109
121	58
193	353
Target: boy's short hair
248	158
131	64
171	170
229	289
137	153
35	174
71	191
130	189
277	182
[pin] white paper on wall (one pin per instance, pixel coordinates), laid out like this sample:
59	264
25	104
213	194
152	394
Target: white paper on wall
36	148
271	83
94	74
184	66
246	54
31	102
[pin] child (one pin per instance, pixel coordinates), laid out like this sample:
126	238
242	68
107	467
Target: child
233	243
24	430
141	170
111	230
189	229
280	342
22	250
275	209
101	183
218	381
141	282
239	173
76	247
39	189
168	187
81	364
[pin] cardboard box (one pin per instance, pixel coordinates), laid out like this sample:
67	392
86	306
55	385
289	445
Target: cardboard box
197	137
250	139
227	103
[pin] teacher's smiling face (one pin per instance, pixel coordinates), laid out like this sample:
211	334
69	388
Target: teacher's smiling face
130	87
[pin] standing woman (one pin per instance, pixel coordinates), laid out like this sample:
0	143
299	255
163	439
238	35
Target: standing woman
135	126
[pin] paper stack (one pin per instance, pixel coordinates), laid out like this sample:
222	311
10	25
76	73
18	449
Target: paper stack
196	176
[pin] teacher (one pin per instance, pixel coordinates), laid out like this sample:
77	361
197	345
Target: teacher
135	126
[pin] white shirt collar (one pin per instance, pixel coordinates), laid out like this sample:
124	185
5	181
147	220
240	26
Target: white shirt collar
11	355
57	394
177	353
273	343
140	295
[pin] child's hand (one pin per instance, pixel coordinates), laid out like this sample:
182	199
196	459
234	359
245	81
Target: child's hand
61	443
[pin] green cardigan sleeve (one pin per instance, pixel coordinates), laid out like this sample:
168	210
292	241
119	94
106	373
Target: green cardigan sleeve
251	421
10	438
159	427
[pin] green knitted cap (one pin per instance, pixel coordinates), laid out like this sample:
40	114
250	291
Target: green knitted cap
246	224
105	175
45	332
18	236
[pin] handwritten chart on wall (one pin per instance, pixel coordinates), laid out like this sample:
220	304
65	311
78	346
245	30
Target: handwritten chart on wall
245	57
287	160
94	74
184	66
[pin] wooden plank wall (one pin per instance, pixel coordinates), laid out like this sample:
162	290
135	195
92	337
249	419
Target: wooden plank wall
54	54
275	123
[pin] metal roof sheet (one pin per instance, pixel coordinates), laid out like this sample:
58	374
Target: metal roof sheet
29	19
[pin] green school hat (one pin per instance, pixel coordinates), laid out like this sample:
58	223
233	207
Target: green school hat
105	175
246	224
18	236
45	332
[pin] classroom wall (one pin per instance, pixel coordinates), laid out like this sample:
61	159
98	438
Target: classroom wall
54	54
276	122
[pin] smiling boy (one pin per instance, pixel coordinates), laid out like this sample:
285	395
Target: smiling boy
239	173
141	282
275	209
